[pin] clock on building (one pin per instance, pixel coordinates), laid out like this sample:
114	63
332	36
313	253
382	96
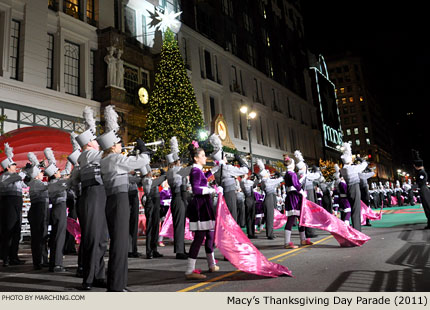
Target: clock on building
222	130
143	95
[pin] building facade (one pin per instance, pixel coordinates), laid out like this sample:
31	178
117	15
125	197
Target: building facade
363	124
255	56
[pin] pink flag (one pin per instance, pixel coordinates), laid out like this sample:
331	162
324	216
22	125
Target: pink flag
167	228
279	220
74	229
314	216
236	247
368	213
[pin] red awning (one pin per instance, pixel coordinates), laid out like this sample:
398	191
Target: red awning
36	139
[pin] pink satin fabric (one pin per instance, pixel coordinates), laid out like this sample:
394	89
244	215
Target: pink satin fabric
279	220
368	213
394	201
167	228
236	247
314	216
74	229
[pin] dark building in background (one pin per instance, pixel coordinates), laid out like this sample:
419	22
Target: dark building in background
268	35
364	125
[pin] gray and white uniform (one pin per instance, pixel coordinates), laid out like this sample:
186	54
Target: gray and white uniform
114	170
225	177
351	175
91	216
248	189
269	186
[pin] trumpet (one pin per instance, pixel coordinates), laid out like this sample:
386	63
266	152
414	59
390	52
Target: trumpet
156	143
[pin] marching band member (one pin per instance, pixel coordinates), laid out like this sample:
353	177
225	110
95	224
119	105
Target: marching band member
133	196
248	186
226	174
201	213
152	209
114	168
57	194
92	205
421	177
269	187
350	174
293	204
39	198
11	184
398	193
175	179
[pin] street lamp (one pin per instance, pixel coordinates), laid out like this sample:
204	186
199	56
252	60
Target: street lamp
249	116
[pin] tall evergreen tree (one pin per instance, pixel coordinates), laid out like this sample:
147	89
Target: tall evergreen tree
173	108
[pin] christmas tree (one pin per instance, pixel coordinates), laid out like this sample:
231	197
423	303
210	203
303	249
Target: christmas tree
173	108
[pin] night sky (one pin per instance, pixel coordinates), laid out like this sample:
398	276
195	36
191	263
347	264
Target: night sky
393	41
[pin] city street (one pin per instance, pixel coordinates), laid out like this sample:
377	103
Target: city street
395	259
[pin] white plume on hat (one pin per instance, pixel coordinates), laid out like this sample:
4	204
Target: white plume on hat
49	154
8	150
111	118
263	172
33	159
67	169
215	141
336	174
90	122
75	144
174	147
347	153
300	161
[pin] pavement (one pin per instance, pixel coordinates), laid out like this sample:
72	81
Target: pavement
395	259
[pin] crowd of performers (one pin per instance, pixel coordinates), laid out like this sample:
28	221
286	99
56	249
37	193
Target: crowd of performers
101	191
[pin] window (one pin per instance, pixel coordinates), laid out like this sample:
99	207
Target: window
234	43
185	48
342	90
351	99
357	141
348	132
279	136
131	81
144	36
256	93
346	120
227	7
349	88
208	65
361	98
354	120
212	107
261	131
352	109
356	130
269	67
366	129
345	110
91	73
130	21
91	19
251	55
350	142
71	7
14	49
340	80
241	127
234	82
144	78
247	23
345	69
50	62
344	100
71	68
368	141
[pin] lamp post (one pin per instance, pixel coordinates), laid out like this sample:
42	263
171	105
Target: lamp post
249	116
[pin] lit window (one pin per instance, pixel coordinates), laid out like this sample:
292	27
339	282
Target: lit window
367	140
344	100
342	90
366	129
348	132
361	99
356	130
351	99
357	141
335	91
350	142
